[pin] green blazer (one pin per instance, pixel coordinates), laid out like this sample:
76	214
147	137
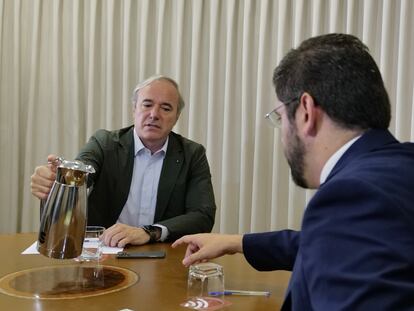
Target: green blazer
185	199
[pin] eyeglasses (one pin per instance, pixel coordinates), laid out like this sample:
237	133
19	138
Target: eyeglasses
274	118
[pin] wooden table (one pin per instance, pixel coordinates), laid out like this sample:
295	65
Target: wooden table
162	284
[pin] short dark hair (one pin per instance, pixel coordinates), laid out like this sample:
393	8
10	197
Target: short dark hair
338	71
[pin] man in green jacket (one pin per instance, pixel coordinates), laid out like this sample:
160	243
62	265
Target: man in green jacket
151	184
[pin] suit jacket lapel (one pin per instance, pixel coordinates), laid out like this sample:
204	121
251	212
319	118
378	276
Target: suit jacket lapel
125	164
171	167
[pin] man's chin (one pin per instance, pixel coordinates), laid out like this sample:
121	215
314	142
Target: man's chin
300	181
150	137
151	133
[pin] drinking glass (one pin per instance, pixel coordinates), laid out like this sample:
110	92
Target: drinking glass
205	279
92	246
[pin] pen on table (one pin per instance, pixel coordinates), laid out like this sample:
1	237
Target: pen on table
239	292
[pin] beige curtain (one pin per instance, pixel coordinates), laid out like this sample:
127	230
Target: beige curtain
67	68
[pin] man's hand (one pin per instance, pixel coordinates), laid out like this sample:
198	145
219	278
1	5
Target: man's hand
43	178
202	247
120	235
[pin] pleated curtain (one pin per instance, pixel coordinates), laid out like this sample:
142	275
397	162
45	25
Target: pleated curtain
68	68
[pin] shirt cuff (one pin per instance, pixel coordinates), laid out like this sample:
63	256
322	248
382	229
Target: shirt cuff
164	232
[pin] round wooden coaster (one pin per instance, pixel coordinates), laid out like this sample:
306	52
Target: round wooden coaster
67	282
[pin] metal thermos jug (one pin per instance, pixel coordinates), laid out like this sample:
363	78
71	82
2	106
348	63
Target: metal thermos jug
64	215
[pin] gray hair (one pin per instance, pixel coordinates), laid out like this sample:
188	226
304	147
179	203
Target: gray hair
151	79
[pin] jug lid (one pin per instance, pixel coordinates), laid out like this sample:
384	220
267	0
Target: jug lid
74	165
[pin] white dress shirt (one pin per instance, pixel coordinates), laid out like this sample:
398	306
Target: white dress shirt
139	209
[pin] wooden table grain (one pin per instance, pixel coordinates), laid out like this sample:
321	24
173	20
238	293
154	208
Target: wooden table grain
162	283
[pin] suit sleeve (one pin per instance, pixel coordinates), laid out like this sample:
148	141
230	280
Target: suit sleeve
355	246
271	250
200	208
92	154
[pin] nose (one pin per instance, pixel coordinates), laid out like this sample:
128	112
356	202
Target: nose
155	111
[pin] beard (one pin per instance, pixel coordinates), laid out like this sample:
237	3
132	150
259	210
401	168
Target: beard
295	155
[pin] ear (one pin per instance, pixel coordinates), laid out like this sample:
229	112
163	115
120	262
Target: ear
307	115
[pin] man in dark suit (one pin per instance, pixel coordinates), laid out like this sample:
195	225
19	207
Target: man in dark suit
355	250
151	184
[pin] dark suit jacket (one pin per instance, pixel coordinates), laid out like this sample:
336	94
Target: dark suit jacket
355	250
185	199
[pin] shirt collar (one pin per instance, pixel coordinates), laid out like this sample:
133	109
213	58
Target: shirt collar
329	165
140	146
